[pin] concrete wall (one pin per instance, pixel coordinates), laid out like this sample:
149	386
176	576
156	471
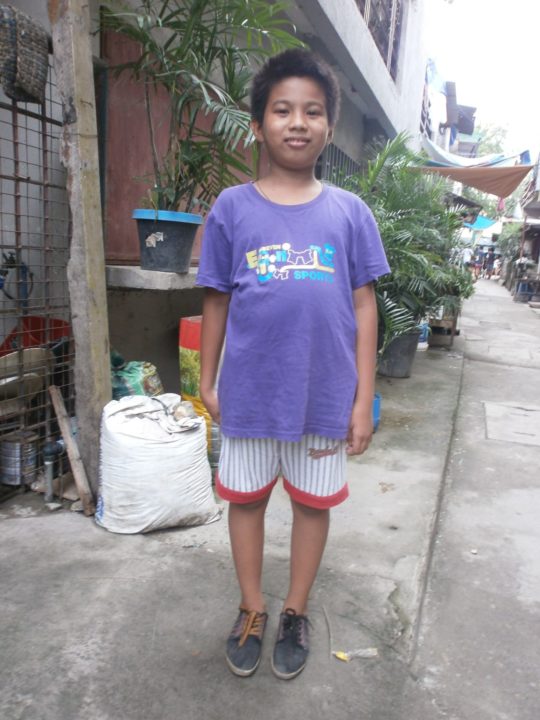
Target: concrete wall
349	133
143	325
411	72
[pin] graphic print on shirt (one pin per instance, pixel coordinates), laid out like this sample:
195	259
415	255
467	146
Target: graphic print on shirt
282	262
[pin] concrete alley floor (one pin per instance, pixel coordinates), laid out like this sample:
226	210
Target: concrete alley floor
433	561
479	649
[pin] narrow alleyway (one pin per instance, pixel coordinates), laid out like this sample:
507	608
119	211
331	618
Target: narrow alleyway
97	626
478	654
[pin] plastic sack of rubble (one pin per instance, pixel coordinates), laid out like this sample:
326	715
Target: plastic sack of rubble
154	470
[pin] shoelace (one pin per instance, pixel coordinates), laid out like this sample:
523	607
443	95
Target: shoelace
253	625
296	624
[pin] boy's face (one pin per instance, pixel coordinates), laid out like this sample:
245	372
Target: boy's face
295	126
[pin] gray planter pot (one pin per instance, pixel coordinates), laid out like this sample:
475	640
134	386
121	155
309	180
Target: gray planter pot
397	360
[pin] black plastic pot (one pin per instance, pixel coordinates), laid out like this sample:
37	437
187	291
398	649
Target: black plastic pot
397	360
166	239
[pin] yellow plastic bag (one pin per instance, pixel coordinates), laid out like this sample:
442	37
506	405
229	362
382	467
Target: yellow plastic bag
189	342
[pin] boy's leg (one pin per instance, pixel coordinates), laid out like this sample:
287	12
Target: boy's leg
247	474
248	469
315	472
308	540
246	531
314	469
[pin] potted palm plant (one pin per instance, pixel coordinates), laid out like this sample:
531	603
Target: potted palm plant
419	232
444	317
196	54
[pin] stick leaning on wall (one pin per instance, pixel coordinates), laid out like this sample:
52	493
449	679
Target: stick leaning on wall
77	467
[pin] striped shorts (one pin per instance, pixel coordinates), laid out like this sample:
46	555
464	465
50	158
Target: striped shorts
313	470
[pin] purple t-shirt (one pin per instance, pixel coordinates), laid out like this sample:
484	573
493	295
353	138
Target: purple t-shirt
289	366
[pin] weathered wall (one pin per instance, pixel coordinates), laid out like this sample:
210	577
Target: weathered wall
129	170
349	134
143	325
412	71
129	157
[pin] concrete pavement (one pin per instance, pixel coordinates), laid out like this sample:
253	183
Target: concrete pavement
432	561
479	652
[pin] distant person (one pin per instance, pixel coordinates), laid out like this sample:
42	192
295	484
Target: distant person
289	266
466	257
489	263
478	263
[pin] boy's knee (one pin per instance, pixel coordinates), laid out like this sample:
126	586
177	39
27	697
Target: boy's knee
307	510
250	506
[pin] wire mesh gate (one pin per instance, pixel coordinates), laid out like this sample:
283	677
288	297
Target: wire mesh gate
36	346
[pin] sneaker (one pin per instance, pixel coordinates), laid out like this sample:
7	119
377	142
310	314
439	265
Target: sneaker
244	644
292	645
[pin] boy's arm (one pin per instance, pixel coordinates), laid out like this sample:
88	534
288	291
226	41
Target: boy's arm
361	425
214	320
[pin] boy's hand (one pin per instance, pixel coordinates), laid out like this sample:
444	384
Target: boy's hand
360	430
211	403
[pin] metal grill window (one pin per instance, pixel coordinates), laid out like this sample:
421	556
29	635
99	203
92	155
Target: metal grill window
36	347
334	165
384	18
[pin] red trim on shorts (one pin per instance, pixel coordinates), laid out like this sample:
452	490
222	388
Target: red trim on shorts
243	498
316	501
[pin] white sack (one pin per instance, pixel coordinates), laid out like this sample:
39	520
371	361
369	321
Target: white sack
154	470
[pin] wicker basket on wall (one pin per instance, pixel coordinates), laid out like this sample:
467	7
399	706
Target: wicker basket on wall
24	56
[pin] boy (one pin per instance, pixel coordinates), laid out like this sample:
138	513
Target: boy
288	265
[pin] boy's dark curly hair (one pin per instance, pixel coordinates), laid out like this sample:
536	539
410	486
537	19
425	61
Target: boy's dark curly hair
295	63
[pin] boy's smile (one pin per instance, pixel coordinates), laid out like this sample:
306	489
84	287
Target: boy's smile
295	126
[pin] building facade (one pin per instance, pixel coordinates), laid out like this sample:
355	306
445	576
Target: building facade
377	50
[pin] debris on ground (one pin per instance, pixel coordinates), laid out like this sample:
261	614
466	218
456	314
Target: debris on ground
52	506
63	486
364	653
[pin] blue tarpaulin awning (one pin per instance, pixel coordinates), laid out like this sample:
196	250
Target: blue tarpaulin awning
481	223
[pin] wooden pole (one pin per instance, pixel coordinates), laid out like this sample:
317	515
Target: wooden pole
70	23
72	449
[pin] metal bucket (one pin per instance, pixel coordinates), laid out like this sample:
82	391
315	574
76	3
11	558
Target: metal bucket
18	457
